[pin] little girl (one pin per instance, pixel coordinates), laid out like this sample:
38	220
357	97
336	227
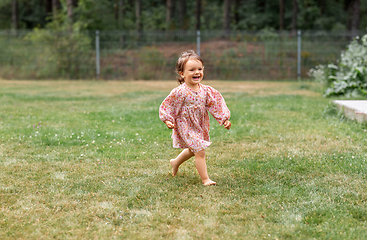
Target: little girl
185	110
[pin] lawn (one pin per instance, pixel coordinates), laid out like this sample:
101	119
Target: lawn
90	160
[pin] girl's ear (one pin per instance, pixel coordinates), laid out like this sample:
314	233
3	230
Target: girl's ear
181	74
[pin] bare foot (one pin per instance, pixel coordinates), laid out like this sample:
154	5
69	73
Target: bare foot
208	182
174	167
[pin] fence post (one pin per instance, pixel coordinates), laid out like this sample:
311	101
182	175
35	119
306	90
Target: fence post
198	42
97	55
299	54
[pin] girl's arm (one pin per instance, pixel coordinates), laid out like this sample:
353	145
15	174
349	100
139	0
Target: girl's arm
170	108
217	107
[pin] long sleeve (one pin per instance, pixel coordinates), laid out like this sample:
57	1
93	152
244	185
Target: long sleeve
217	106
171	106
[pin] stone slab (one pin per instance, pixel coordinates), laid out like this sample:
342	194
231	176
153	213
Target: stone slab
353	109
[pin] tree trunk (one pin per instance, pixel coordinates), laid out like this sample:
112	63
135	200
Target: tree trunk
354	11
281	15
55	6
227	17
182	15
69	4
262	5
294	17
48	6
116	10
170	8
138	16
237	16
14	16
121	12
198	14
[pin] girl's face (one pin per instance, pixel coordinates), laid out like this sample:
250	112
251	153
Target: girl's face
193	72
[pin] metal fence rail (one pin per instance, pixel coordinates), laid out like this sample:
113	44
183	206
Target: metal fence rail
42	54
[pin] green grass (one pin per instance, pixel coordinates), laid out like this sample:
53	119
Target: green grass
90	160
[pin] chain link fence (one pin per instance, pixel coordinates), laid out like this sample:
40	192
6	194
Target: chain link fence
152	55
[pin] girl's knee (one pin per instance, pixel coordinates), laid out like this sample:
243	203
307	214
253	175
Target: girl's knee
200	154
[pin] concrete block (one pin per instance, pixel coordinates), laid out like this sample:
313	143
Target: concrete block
353	109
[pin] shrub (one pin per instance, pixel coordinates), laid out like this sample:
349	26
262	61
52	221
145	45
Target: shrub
60	53
349	76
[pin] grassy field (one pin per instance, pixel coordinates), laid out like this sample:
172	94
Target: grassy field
90	160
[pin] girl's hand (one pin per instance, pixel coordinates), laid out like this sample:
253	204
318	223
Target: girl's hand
169	124
227	124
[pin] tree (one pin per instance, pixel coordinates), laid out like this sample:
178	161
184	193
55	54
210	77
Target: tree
120	12
237	15
281	15
227	16
198	14
70	10
294	17
182	15
354	12
55	7
138	15
262	5
15	16
170	8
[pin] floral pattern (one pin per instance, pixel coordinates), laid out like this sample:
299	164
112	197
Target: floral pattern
188	110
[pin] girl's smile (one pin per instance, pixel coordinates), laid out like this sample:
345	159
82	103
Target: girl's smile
193	73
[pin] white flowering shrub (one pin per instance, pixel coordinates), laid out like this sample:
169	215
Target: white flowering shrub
349	76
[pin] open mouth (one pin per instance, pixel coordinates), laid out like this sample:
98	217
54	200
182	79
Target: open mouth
196	78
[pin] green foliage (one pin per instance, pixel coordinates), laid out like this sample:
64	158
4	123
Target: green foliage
349	76
246	15
60	50
151	63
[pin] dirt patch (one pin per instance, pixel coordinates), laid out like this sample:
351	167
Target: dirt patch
100	88
226	60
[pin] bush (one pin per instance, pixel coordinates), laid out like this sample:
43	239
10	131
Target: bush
349	76
65	54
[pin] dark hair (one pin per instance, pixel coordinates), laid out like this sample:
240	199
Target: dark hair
182	60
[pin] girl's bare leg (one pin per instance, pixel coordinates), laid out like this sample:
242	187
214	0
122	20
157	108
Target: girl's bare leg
201	167
185	155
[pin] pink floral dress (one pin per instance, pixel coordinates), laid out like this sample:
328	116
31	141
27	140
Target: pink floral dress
188	110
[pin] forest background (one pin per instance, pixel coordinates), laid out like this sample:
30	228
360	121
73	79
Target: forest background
141	39
335	15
